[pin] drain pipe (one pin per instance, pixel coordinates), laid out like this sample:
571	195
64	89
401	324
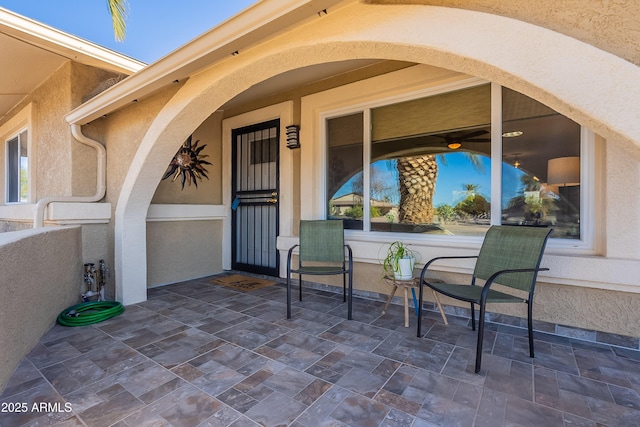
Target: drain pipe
101	172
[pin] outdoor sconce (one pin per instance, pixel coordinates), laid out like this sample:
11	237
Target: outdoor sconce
293	136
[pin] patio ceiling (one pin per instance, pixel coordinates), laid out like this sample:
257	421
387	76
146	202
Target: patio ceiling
298	78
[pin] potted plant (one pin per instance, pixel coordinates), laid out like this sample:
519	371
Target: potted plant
400	261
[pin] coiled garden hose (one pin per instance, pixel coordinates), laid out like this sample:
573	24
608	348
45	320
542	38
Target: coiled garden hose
87	313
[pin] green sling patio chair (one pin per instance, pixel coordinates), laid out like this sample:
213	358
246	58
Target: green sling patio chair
509	256
322	251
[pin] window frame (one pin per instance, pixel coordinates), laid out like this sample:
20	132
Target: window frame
586	245
17	136
21	121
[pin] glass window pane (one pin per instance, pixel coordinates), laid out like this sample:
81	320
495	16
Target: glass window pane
345	169
541	166
24	167
13	170
438	181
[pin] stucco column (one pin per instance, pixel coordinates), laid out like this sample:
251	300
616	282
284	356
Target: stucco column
131	251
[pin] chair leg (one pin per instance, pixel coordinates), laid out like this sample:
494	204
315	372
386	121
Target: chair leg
288	294
480	338
344	287
419	330
350	298
300	286
530	326
473	317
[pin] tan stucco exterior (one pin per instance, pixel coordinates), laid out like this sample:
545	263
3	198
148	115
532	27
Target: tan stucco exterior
610	26
381	32
35	288
571	56
63	167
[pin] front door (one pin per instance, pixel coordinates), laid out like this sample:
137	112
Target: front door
255	213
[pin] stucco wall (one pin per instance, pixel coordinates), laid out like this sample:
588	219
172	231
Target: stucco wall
41	276
575	292
208	191
63	167
470	43
121	133
182	250
609	25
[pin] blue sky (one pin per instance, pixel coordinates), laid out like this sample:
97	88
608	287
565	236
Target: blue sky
154	27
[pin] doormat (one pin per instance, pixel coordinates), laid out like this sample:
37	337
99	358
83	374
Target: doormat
243	283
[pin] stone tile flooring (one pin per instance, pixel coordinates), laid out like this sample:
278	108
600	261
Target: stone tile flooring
199	354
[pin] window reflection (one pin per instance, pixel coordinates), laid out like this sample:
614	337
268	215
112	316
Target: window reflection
429	166
541	167
344	176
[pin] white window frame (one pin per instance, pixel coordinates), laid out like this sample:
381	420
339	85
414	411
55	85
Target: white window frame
586	245
9	159
19	123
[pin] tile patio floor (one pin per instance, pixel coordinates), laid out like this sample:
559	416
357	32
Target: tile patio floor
199	354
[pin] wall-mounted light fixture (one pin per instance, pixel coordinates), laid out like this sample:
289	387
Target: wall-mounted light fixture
293	136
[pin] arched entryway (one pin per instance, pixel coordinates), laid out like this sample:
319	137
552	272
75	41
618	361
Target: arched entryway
529	59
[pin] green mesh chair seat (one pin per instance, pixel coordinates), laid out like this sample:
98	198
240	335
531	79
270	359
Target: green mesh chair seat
473	293
321	251
509	256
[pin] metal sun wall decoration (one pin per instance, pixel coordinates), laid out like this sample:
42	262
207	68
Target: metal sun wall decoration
188	163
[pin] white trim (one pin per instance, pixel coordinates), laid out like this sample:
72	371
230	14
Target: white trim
418	85
21	121
284	112
496	147
383	90
249	27
60	213
183	212
65	44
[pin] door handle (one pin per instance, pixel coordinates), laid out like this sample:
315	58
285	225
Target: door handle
274	200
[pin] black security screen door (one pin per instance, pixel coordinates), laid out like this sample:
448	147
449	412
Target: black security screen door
255	198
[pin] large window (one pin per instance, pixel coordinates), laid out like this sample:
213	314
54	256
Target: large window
424	165
540	166
17	169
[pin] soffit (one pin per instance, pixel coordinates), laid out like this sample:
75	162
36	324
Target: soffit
25	68
263	20
298	78
32	51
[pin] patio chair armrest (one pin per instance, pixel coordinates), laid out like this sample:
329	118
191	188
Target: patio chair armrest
349	251
495	275
349	256
515	270
289	256
432	260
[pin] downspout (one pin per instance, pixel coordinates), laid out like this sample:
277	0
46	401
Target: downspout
101	187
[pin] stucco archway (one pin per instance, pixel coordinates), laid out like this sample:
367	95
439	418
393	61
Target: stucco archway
527	58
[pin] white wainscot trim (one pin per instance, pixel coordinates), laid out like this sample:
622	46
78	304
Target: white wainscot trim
78	213
182	212
596	272
17	212
60	213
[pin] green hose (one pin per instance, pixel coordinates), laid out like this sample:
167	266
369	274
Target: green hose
87	313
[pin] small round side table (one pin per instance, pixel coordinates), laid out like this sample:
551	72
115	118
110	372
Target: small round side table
406	285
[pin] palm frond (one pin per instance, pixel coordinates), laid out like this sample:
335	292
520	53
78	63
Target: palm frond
118	11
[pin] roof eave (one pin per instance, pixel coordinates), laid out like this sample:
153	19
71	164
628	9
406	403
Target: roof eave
263	19
66	45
